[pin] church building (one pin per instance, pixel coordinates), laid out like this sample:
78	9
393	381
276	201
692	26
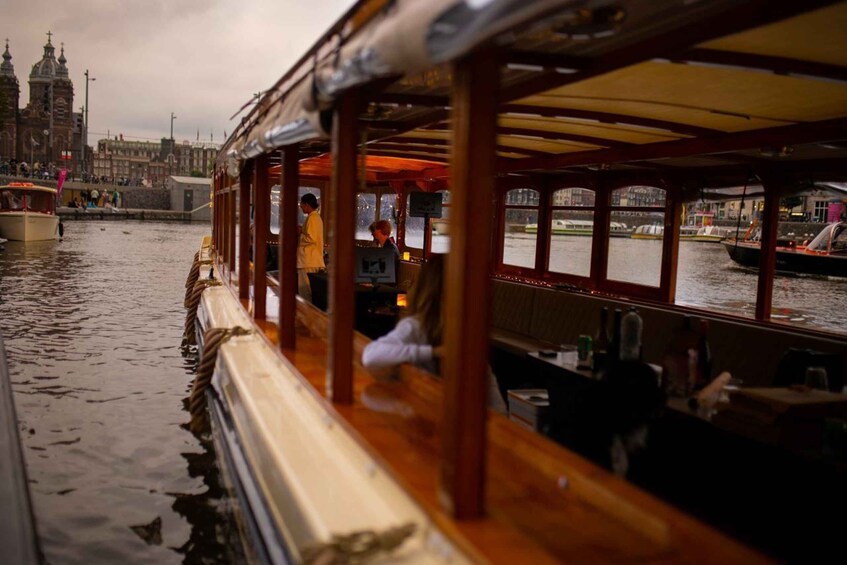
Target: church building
47	129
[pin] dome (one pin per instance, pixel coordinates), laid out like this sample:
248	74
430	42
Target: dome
47	67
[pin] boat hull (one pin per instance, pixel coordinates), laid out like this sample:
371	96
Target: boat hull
29	226
789	261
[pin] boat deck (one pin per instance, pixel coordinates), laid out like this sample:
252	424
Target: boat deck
544	503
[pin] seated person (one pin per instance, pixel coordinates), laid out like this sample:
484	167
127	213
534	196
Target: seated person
381	232
417	337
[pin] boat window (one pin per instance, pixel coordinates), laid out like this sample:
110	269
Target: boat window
40	201
571	231
276	191
520	239
706	276
414	228
440	229
365	214
11	200
388	208
637	259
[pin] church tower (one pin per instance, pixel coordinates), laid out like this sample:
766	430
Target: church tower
10	92
46	125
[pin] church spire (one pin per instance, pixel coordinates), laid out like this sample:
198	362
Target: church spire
6	67
62	71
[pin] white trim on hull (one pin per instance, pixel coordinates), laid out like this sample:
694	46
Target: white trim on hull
28	226
312	477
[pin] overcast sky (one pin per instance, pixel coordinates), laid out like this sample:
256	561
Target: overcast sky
200	59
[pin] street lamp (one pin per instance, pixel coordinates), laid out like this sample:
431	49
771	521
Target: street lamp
85	126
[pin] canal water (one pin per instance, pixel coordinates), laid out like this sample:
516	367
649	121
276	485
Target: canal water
92	327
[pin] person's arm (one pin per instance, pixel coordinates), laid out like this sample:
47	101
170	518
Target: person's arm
397	347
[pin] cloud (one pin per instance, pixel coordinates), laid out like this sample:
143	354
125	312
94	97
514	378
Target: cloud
201	59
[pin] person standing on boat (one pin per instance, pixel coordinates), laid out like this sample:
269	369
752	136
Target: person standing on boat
417	337
310	249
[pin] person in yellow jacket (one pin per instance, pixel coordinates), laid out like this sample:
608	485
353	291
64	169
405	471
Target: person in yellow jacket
310	249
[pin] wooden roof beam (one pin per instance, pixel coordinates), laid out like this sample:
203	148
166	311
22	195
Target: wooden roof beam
715	144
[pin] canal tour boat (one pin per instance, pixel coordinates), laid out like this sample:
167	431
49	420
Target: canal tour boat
825	255
28	212
579	227
493	101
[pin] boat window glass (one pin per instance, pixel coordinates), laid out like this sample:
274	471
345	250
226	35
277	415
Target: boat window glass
440	230
414	228
11	200
365	214
808	287
40	201
520	239
276	191
638	258
571	231
706	276
388	208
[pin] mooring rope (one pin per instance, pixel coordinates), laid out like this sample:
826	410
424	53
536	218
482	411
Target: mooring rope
213	338
357	547
193	276
193	303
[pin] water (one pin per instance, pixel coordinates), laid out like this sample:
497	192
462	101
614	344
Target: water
92	327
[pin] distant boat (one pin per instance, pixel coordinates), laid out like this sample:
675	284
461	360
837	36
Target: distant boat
579	227
825	255
711	234
28	212
651	231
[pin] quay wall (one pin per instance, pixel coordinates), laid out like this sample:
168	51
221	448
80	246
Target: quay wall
142	197
109	214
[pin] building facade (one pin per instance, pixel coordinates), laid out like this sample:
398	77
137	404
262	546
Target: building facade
46	130
150	163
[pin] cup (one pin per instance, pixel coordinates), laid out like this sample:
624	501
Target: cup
816	378
567	353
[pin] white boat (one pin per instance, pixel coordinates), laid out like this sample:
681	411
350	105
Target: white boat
711	234
652	231
28	212
579	227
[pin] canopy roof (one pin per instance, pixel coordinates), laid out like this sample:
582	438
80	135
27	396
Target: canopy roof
27	186
707	91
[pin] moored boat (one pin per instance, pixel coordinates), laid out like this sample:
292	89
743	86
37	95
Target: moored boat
825	255
28	212
648	231
579	227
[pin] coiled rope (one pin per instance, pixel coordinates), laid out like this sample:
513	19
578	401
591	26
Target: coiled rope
193	302
213	338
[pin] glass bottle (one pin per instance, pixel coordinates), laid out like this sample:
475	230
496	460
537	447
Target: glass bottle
631	326
614	353
600	347
677	369
704	357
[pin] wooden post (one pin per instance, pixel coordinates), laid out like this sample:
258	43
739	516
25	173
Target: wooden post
467	286
341	231
400	191
670	243
602	228
288	245
767	254
231	216
261	229
545	226
244	232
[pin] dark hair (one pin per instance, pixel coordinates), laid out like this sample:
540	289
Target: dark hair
309	199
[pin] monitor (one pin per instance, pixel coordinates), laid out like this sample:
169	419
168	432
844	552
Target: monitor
425	204
375	265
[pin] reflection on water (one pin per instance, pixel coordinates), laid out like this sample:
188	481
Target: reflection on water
92	327
706	278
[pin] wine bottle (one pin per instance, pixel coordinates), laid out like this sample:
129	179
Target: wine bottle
600	346
631	326
678	362
614	352
704	357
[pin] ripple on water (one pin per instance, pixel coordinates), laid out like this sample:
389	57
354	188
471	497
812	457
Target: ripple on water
92	327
